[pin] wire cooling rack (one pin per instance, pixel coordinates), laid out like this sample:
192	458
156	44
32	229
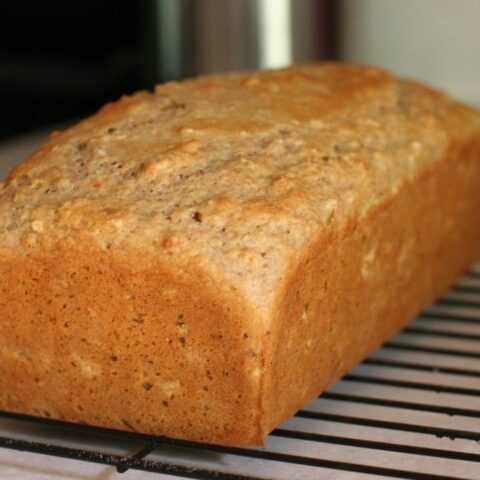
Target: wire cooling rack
409	411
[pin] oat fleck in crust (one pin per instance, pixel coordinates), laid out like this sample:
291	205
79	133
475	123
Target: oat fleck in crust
202	260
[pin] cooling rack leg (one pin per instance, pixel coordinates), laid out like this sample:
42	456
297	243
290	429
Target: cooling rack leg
147	449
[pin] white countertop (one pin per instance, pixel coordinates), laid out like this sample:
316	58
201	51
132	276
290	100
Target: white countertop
32	466
15	150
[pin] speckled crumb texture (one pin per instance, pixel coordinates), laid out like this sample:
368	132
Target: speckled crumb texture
201	261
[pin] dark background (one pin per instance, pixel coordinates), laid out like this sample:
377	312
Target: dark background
61	60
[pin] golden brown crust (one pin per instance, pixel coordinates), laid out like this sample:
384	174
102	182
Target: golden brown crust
356	287
89	337
201	261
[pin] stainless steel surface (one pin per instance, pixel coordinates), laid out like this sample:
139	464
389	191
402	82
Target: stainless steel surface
208	36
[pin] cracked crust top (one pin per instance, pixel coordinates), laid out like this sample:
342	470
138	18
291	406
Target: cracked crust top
236	173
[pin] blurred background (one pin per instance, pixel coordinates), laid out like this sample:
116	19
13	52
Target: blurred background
61	60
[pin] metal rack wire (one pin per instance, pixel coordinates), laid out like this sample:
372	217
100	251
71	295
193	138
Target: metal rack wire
409	411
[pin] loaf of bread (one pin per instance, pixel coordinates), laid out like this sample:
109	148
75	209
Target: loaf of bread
201	261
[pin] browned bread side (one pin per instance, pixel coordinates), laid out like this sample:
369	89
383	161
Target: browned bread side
201	261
